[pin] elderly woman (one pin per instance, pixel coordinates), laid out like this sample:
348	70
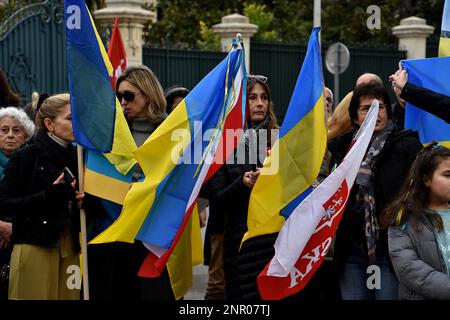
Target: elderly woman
361	244
44	208
15	129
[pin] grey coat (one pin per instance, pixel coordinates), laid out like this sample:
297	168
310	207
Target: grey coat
418	263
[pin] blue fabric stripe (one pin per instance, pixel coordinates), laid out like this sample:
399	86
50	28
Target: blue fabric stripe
95	161
204	103
92	98
308	88
446	17
287	210
431	73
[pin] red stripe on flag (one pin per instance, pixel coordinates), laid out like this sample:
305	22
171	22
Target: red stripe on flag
152	267
276	288
233	121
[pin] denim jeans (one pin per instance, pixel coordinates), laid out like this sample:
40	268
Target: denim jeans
355	275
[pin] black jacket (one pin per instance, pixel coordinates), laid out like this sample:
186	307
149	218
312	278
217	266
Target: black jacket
393	164
230	194
40	209
427	100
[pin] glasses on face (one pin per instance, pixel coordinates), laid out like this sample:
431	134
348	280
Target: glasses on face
364	108
127	95
257	77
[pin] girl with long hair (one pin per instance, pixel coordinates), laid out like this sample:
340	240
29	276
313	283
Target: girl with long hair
419	227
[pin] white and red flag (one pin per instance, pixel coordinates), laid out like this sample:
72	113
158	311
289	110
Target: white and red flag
305	237
116	53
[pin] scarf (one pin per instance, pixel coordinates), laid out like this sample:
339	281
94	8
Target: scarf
250	139
365	196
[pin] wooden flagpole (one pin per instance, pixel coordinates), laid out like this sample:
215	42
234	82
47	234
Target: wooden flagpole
83	224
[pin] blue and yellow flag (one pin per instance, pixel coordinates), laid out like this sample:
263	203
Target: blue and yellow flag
444	43
97	118
432	74
103	180
178	157
300	149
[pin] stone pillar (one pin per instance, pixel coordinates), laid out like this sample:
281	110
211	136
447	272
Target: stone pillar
412	34
232	25
132	18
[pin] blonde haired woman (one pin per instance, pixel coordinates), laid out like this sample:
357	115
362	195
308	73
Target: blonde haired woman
45	219
114	267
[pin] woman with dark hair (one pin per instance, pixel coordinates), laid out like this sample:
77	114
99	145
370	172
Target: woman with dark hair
174	95
361	243
7	97
229	193
419	235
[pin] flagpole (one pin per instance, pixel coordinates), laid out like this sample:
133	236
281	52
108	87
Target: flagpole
83	225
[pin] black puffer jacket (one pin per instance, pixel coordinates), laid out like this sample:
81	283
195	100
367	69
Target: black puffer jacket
393	164
40	209
232	196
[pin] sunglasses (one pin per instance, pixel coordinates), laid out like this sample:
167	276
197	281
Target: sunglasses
257	77
127	95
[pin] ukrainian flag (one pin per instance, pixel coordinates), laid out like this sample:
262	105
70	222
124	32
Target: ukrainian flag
432	74
444	43
103	180
177	158
300	149
97	118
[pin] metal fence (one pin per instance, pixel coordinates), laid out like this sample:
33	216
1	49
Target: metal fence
32	48
177	66
281	63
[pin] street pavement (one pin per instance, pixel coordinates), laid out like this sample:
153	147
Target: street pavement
200	279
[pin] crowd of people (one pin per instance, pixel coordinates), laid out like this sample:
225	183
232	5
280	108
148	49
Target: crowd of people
397	217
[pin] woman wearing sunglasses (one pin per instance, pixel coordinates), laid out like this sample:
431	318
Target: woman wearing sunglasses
114	267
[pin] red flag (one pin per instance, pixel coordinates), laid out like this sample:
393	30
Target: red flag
306	236
116	53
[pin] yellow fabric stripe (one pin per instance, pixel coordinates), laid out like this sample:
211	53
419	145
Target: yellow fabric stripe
108	64
301	153
105	187
196	238
185	256
155	159
444	47
121	155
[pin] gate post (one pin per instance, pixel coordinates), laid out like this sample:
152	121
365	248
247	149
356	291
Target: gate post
132	18
412	34
229	27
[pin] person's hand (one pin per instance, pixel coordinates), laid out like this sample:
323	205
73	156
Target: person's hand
5	234
59	179
64	191
250	178
202	216
399	79
79	196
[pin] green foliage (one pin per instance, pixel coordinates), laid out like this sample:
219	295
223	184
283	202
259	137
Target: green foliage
258	15
208	39
179	24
